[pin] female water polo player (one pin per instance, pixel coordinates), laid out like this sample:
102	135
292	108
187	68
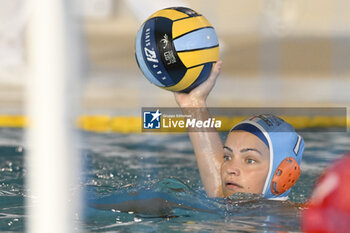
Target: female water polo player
261	154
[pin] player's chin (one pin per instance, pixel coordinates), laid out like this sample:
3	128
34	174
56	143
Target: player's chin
228	193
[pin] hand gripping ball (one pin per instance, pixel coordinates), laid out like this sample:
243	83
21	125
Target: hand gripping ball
176	49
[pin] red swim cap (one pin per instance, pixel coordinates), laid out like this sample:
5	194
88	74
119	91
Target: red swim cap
329	206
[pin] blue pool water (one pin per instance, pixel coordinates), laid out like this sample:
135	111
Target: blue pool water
118	164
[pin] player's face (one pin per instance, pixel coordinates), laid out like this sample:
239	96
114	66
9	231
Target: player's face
245	165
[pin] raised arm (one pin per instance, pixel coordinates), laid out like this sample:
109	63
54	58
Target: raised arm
208	146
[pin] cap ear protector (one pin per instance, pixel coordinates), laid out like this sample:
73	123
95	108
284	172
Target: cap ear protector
285	176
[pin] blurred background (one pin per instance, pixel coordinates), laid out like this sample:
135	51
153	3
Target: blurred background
276	53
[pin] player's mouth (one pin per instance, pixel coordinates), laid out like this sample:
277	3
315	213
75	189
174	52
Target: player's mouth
233	186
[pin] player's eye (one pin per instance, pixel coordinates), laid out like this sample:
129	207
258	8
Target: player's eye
227	157
250	161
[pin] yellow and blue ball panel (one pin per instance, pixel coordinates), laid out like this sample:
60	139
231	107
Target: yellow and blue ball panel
176	49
